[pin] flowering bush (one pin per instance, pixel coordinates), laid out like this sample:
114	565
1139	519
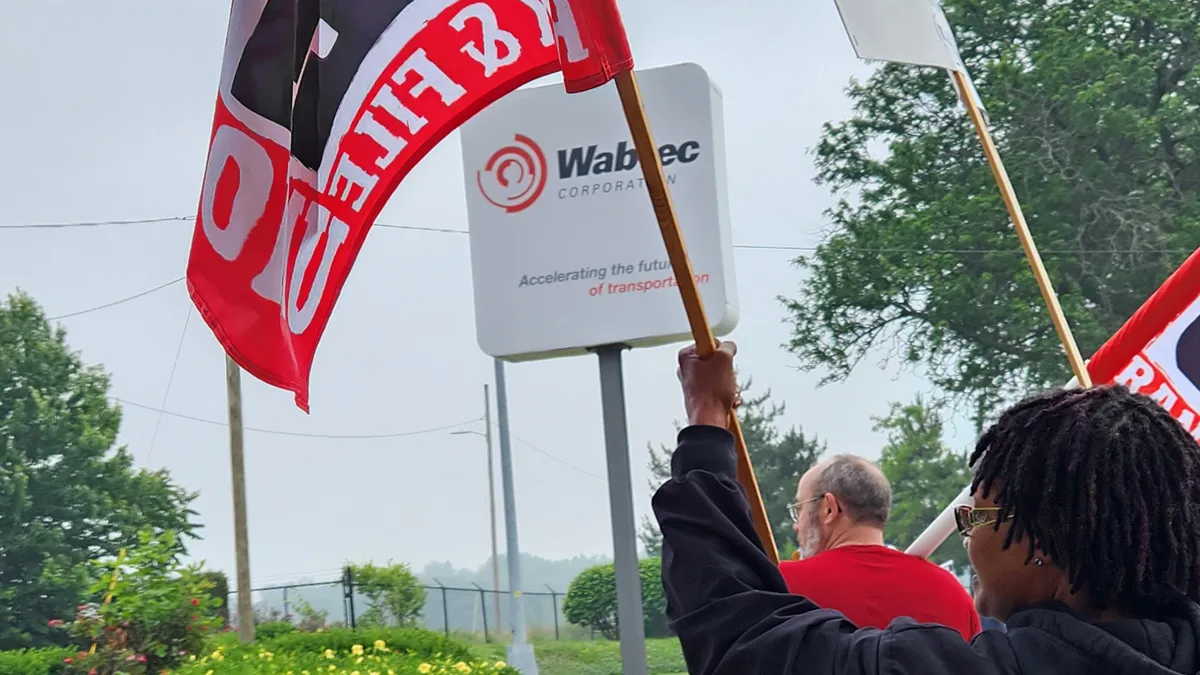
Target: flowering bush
372	659
161	613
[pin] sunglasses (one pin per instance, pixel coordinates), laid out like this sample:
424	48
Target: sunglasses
968	518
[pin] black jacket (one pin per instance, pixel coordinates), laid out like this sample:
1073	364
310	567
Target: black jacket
731	610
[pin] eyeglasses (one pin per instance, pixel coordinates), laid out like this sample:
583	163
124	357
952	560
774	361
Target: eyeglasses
794	507
968	518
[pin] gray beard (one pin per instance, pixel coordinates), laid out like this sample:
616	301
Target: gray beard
809	548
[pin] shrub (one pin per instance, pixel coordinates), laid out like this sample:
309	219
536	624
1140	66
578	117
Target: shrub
415	640
220	594
34	661
311	619
273	629
395	594
161	612
591	599
363	656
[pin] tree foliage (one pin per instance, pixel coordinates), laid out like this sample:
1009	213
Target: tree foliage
1096	111
591	600
395	594
925	475
67	494
779	458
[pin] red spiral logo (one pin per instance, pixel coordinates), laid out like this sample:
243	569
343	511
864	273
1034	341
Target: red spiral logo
514	175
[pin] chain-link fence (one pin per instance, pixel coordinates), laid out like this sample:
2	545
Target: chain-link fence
465	611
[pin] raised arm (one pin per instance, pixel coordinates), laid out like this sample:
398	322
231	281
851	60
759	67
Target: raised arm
727	601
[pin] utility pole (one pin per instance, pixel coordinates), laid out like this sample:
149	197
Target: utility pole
487	421
520	650
241	535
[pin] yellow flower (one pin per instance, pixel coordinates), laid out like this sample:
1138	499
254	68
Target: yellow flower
423	669
501	664
356	650
210	672
380	645
192	657
329	654
332	668
462	667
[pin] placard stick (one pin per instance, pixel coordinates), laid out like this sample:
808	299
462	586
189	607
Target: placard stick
1018	218
112	584
668	224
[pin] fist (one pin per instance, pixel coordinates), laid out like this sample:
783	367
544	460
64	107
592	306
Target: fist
710	389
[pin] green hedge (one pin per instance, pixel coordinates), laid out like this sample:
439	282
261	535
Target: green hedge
34	661
419	642
272	629
409	642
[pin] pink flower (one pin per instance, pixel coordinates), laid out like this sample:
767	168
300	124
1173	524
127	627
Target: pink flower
195	602
55	623
141	658
68	660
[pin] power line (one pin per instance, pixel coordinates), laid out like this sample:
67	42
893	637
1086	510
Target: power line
170	380
1014	250
297	434
114	303
94	223
557	459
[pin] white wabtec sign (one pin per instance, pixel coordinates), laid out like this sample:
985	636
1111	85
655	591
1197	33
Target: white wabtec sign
565	249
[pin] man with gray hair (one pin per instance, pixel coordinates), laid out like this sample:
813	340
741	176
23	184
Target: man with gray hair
842	505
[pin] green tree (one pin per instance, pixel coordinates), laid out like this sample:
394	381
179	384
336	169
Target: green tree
925	475
591	600
395	594
68	495
1095	105
779	459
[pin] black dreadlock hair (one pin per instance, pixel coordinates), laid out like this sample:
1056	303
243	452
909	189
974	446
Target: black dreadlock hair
1107	484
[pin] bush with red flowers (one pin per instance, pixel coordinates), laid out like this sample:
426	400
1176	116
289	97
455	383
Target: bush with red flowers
161	612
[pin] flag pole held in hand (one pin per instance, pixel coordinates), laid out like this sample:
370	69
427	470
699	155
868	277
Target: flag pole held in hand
966	94
594	49
916	32
668	224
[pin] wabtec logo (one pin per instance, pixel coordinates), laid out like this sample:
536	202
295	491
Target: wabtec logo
592	161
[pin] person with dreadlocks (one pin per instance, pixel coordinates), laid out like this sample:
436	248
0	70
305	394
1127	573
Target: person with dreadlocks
1084	531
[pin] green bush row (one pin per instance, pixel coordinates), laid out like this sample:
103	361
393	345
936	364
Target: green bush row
280	641
408	640
34	661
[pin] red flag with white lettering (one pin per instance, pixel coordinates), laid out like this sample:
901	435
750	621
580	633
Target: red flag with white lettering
1157	351
592	43
323	107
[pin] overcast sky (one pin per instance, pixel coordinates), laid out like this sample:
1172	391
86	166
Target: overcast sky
106	115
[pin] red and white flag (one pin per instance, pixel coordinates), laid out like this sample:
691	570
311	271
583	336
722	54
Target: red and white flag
592	44
323	107
1157	351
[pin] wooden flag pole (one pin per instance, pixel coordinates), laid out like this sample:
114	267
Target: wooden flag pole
241	536
1009	195
668	223
112	585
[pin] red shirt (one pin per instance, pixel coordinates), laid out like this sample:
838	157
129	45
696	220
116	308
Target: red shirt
872	585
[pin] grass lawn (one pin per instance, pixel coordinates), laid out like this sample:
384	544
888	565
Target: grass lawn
596	657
